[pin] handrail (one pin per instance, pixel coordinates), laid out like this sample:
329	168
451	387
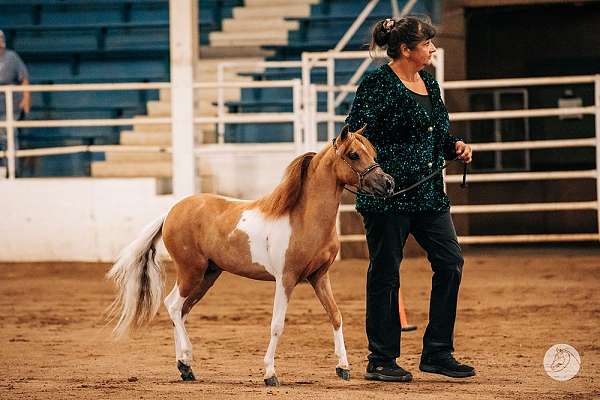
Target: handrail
356	25
10	124
82	87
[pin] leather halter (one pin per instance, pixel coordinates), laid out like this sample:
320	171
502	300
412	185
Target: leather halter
373	166
361	174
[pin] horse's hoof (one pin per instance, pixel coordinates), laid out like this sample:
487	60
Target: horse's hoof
186	371
343	373
272	381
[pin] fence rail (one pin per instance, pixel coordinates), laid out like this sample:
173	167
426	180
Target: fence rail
305	119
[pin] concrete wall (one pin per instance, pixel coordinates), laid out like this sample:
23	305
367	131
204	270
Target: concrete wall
92	219
247	174
74	219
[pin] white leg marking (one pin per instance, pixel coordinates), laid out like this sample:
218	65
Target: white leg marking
268	238
280	304
340	348
183	346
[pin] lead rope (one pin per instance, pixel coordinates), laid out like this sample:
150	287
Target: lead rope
463	185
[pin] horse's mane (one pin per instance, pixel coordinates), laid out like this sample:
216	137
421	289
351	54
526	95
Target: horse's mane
287	193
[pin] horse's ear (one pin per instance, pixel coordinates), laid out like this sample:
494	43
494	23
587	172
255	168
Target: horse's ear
345	131
361	130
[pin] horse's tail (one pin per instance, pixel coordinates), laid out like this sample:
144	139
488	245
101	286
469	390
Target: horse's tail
139	279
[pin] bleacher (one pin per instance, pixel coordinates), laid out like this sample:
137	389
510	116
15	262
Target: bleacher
321	31
77	41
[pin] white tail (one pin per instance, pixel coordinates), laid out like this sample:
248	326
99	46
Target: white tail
139	279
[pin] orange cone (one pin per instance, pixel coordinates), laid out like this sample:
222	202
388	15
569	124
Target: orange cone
403	320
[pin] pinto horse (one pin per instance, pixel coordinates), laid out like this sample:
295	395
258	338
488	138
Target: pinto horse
286	236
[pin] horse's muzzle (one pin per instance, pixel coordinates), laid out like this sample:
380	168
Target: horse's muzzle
381	184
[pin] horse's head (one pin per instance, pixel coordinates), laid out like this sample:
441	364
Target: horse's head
355	164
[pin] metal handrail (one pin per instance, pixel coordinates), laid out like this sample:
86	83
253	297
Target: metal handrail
10	124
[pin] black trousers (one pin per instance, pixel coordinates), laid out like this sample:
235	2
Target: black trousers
386	236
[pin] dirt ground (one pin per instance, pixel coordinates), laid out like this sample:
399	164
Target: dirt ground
514	304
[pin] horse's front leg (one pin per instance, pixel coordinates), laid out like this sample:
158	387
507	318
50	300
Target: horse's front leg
280	304
322	287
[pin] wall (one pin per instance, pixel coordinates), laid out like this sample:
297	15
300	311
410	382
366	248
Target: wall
246	173
90	219
74	219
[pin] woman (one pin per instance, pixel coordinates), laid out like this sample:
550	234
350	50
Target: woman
408	123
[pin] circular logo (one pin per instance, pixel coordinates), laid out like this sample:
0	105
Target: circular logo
562	362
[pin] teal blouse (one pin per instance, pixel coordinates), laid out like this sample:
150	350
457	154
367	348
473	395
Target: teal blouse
410	141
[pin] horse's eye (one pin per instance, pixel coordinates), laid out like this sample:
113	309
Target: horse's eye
353	156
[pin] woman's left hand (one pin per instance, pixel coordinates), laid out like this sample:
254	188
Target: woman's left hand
463	152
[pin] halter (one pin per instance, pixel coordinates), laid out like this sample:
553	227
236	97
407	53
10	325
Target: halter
371	167
361	174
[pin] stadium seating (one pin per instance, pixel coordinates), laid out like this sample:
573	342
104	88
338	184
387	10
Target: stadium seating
72	41
77	41
321	31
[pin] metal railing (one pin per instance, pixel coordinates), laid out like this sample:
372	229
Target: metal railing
513	176
305	118
10	124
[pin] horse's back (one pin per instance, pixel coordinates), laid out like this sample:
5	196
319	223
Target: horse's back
198	218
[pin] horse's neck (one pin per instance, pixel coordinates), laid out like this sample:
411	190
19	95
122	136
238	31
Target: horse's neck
322	194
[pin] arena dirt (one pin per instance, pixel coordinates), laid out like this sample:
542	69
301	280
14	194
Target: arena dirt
514	304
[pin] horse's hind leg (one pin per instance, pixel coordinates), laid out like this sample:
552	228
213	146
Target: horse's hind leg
210	276
183	347
322	287
192	283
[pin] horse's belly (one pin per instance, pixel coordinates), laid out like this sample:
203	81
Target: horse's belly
252	271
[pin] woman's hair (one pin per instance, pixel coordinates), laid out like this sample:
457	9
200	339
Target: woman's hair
389	34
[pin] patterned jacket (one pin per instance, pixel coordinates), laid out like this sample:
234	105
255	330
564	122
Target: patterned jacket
410	142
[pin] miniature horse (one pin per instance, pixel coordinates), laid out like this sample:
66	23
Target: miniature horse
286	236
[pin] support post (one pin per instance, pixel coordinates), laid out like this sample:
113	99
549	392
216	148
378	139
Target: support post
597	127
10	135
183	41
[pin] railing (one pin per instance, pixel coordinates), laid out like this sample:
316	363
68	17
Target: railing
10	124
513	176
305	118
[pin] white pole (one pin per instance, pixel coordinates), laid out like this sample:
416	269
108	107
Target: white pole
306	69
597	117
313	128
220	104
330	97
183	41
439	76
355	25
395	9
10	134
297	109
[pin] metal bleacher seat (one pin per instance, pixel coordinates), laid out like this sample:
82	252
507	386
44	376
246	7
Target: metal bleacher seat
321	31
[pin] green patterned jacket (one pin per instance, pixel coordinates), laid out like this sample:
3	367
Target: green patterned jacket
410	142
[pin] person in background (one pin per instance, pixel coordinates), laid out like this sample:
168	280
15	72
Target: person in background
407	122
12	72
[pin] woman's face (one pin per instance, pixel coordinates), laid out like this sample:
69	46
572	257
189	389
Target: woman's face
423	53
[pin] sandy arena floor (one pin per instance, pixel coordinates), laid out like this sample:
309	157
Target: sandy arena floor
514	304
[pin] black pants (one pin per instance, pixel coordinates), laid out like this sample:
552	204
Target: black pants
386	236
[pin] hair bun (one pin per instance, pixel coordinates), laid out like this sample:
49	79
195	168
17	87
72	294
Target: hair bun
381	34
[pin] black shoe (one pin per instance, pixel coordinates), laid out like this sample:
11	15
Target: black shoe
390	372
445	364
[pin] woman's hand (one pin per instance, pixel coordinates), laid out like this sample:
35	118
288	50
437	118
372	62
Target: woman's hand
463	151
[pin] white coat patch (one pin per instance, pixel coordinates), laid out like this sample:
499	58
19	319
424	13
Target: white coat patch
269	239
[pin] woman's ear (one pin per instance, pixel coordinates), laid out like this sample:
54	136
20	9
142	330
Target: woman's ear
404	50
